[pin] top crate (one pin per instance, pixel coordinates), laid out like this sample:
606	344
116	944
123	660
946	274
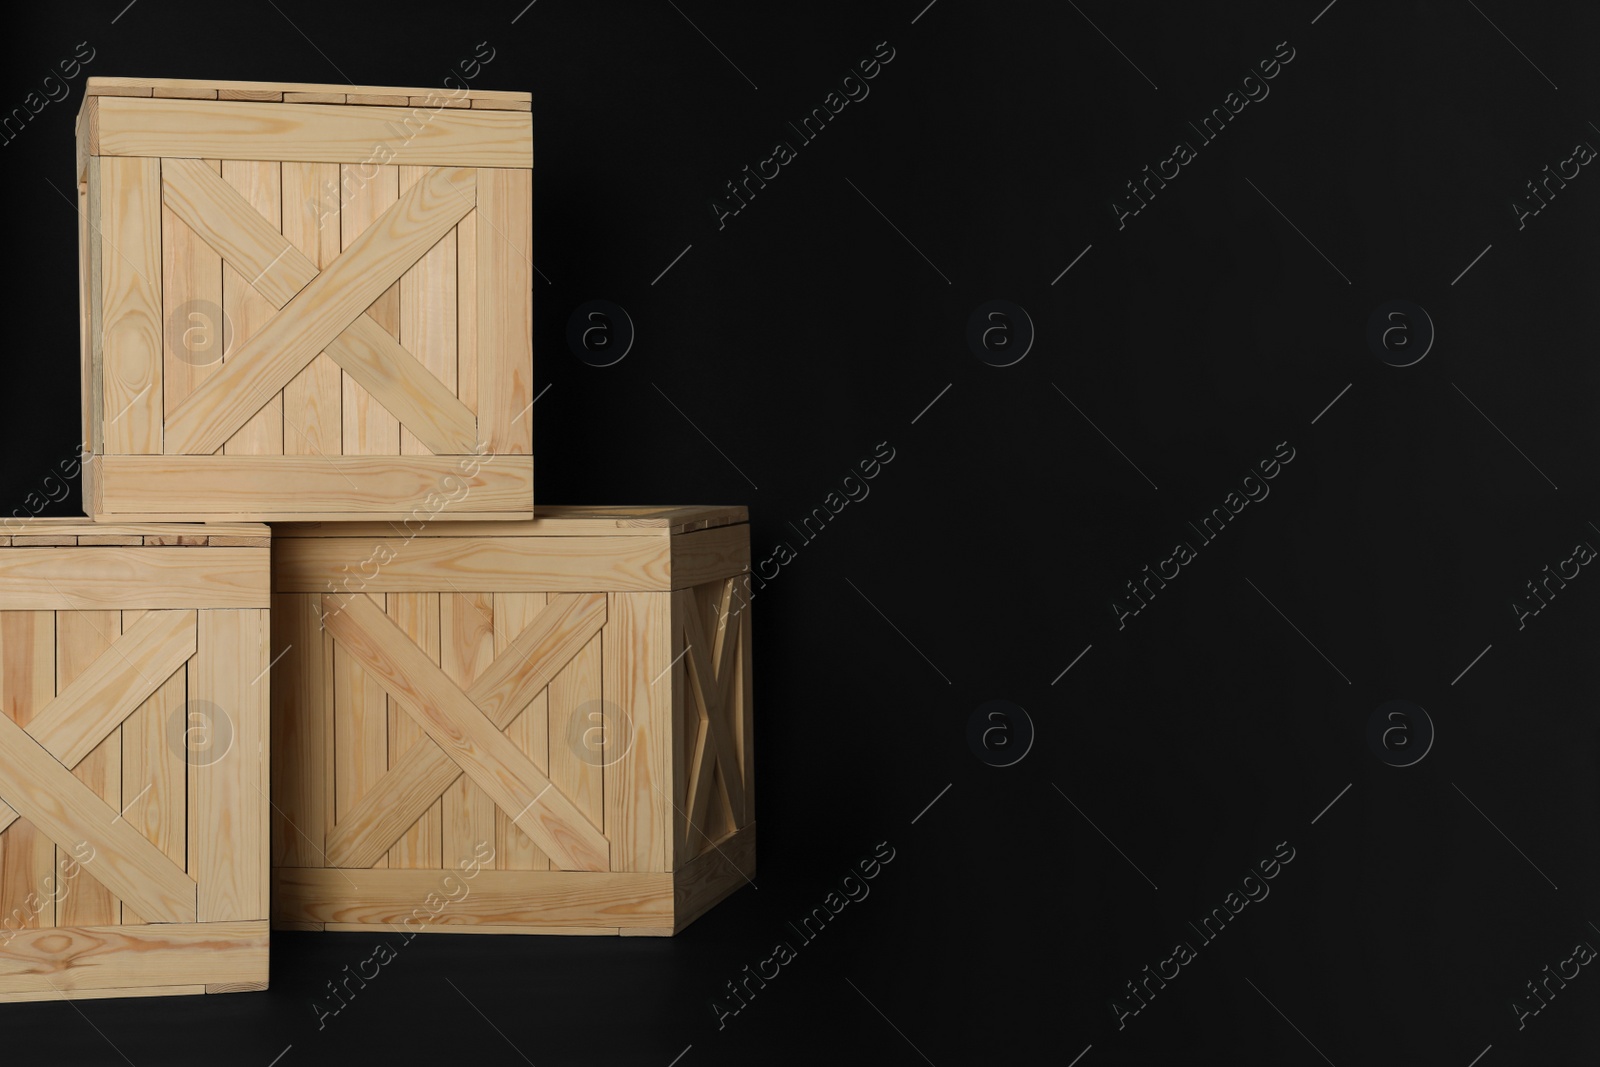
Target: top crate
305	302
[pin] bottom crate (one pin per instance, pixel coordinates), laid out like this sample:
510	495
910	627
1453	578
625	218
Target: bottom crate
528	727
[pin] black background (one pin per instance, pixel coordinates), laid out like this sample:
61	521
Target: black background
1220	721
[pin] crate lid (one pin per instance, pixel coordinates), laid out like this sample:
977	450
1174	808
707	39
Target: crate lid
308	93
53	531
551	521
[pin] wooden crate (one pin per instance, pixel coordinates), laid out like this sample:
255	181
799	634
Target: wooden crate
305	302
133	820
538	727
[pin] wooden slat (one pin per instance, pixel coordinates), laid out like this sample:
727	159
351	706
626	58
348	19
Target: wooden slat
428	314
505	898
83	640
155	790
298	733
172	93
520	672
381	99
42	994
228	808
320	312
309	133
27	683
457	725
314	98
93	409
279	487
262	95
369	429
191	275
260	185
69	525
743	693
705	556
640	679
576	715
130	311
87	579
418	617
494	564
467	313
713	876
708	689
107	957
173	87
361	738
466	623
66	810
529	729
95	697
311	400
110	539
554	520
505	309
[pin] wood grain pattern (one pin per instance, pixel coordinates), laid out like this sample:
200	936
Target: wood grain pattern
459	727
147	957
64	809
259	184
368	192
466	623
504	281
90	579
130	310
512	898
491	564
95	697
427	488
155	788
193	89
191	272
709	878
312	408
628	705
83	640
27	683
640	645
310	133
298	732
418	617
529	729
707	555
428	322
360	737
518	674
320	312
227	785
554	520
